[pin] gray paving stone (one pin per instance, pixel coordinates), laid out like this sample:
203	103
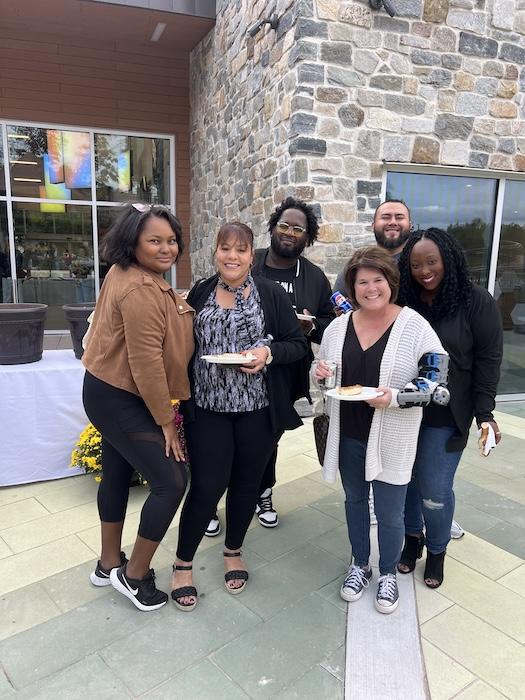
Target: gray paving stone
473	520
176	640
72	588
317	683
494	505
335	663
203	682
330	593
289	578
306	524
272	657
6	689
25	608
336	542
508	537
58	643
89	678
333	504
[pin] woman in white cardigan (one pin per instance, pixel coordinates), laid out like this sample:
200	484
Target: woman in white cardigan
378	345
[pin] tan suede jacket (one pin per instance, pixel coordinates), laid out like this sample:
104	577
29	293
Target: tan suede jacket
141	339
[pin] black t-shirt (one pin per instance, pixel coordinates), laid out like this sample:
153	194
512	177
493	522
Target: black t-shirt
360	367
286	278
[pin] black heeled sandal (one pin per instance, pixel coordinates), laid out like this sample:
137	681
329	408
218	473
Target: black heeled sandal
412	551
434	569
184	592
235	575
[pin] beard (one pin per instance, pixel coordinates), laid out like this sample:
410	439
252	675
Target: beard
391	243
287	251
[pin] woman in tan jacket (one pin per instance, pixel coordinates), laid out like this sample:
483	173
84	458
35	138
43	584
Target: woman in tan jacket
136	360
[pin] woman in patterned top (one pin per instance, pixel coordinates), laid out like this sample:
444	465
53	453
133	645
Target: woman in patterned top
236	414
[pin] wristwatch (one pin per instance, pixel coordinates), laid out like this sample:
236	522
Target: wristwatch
270	356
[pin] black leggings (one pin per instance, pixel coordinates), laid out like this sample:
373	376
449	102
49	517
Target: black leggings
226	450
132	440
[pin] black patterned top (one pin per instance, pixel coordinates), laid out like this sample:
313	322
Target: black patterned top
218	330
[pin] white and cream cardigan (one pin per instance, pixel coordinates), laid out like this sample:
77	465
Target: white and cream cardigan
392	442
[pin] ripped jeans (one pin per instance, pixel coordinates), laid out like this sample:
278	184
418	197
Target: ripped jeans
430	497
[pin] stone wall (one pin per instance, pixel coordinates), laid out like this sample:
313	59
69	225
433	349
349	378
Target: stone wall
316	108
240	122
442	83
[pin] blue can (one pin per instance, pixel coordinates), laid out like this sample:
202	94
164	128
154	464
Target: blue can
338	299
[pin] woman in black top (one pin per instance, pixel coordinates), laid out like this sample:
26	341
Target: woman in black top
435	282
236	414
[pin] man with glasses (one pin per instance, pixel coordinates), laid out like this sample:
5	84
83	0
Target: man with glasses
293	226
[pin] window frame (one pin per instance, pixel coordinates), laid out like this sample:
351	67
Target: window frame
501	176
92	202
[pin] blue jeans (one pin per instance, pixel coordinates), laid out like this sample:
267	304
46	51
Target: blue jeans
389	501
430	498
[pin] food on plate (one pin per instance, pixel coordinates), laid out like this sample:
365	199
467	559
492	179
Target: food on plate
351	390
235	357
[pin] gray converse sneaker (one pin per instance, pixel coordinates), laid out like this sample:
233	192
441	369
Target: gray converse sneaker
387	597
356	580
456	531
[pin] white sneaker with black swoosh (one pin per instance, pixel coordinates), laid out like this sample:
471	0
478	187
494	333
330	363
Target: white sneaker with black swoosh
142	592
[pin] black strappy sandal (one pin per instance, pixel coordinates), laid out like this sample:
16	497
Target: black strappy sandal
434	569
235	575
412	551
184	591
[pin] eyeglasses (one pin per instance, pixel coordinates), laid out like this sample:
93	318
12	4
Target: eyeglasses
285	227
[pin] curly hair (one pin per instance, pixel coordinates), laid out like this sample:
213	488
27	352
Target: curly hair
119	244
456	287
312	225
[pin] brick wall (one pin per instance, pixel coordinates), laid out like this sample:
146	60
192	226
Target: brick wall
82	82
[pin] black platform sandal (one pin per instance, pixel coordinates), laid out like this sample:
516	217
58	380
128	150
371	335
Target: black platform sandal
235	575
184	592
434	569
412	551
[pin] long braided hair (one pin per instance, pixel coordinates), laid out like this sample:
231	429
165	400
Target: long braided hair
456	287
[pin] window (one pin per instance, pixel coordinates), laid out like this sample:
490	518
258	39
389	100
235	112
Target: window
64	189
487	214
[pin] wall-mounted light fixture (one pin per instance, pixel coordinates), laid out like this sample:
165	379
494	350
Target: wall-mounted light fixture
272	20
378	4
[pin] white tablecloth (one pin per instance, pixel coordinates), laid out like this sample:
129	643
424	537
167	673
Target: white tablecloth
41	417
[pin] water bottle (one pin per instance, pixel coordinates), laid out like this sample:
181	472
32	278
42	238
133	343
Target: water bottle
338	299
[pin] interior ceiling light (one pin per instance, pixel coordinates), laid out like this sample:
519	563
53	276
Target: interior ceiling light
17	136
158	31
27	179
24	162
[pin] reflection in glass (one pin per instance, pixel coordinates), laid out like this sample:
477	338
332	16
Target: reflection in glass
6	282
464	206
106	217
510	287
49	163
55	257
132	168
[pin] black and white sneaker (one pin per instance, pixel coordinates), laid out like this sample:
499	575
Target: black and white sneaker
265	511
100	577
214	527
142	592
387	598
356	580
456	531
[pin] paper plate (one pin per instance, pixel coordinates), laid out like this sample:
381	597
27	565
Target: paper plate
229	358
368	392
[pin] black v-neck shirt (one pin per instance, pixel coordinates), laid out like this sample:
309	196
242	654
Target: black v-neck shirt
360	367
